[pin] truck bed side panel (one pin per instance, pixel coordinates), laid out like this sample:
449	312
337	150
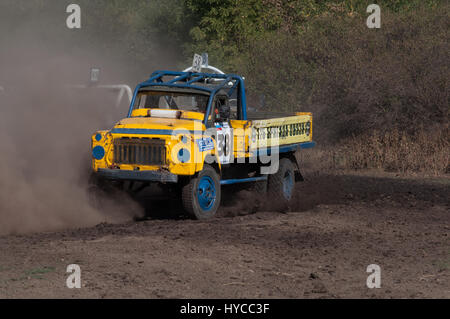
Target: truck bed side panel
281	131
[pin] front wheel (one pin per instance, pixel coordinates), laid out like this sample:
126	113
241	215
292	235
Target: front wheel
201	196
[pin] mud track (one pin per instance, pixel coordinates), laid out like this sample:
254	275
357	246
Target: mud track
338	225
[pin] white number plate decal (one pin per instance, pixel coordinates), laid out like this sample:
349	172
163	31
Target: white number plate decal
224	142
197	63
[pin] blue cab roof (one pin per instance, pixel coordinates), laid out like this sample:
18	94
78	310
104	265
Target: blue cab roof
193	80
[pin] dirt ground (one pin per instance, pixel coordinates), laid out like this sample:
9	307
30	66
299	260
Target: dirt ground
338	225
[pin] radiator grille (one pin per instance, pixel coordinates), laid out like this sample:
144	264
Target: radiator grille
139	151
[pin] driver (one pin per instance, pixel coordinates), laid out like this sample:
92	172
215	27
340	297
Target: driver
202	102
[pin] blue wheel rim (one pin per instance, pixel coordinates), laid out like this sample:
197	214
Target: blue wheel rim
288	184
206	193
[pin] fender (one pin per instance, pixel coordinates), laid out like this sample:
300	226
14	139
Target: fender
208	157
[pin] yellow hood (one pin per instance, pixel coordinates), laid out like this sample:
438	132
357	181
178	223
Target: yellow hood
156	126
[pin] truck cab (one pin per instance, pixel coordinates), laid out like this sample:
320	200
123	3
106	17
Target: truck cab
192	130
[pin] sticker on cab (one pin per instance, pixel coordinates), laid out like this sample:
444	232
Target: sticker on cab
205	144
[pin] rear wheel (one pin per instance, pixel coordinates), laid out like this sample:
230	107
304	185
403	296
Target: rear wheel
201	196
260	187
281	185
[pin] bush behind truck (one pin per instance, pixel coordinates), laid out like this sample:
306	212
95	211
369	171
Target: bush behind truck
192	131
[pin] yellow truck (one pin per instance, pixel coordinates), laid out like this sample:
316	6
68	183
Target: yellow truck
192	131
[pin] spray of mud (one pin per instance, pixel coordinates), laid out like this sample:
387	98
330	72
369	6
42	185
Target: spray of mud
45	132
45	154
317	188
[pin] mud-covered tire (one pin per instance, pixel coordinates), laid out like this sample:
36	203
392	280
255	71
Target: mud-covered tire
201	196
260	187
281	185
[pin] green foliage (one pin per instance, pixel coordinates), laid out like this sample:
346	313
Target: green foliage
145	30
354	79
310	55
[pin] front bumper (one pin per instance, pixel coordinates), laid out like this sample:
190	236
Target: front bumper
142	176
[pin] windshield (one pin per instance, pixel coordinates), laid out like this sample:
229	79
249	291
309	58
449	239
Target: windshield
171	100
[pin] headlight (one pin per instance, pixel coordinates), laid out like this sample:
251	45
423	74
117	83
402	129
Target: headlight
184	155
98	137
98	152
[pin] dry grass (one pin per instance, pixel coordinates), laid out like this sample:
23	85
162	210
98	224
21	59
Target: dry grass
425	152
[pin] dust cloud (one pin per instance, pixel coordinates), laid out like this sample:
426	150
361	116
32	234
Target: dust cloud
45	131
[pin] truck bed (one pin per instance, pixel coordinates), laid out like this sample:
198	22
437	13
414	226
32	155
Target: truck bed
271	128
